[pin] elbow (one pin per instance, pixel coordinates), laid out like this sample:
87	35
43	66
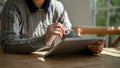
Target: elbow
12	47
16	49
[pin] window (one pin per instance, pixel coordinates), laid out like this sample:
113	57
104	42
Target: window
107	13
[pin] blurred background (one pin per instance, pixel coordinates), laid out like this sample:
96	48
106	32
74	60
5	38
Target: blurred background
91	13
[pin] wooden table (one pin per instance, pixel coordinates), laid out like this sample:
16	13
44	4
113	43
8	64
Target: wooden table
105	60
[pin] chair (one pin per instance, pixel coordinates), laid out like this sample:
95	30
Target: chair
99	30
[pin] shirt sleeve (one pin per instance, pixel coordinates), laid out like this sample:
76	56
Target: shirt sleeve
11	39
61	16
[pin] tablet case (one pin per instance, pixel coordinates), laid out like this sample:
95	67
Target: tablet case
72	46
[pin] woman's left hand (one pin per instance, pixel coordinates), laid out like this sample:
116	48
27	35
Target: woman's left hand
97	47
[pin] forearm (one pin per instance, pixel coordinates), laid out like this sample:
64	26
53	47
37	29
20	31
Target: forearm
16	45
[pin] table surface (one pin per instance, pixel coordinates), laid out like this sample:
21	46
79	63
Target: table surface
109	58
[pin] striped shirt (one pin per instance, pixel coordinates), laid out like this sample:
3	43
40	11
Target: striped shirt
22	30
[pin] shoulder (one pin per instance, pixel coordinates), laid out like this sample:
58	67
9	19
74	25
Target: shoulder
11	4
57	5
56	2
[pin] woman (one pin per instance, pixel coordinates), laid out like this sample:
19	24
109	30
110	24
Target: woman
28	25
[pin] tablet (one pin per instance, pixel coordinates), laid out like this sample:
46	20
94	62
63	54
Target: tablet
72	46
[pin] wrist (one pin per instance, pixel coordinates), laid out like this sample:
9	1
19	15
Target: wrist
49	39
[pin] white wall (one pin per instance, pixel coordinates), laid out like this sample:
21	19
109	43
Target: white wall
79	12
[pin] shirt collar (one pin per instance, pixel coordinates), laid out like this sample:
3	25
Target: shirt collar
33	8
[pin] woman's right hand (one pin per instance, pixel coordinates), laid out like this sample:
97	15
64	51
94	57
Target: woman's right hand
53	31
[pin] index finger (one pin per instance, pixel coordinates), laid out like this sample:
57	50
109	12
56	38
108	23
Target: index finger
59	25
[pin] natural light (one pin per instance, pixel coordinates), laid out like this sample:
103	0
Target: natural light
111	52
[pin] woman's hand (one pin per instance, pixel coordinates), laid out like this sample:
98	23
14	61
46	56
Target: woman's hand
54	30
97	47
